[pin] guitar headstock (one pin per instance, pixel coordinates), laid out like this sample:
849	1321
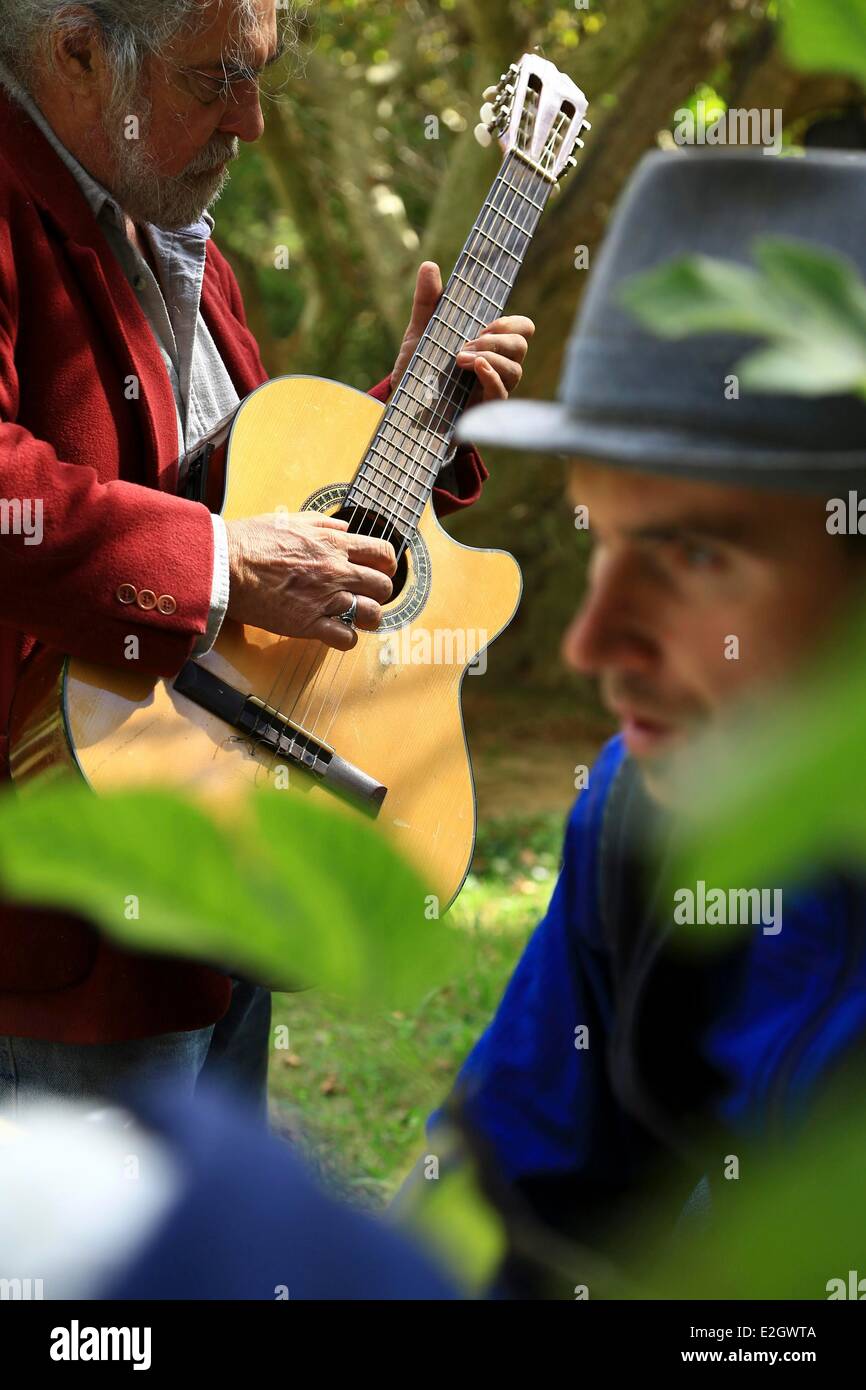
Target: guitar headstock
538	111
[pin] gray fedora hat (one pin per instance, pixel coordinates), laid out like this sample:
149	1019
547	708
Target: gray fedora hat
630	398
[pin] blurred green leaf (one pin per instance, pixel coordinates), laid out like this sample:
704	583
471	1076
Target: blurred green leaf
457	1223
785	1227
751	791
809	304
825	35
289	891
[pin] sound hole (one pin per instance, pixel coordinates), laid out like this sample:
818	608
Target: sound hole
366	523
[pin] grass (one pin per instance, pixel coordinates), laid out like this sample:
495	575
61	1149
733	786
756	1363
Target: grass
355	1089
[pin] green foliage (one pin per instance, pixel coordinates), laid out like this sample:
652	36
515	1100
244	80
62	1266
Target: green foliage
785	1227
808	304
282	889
752	795
825	35
461	1228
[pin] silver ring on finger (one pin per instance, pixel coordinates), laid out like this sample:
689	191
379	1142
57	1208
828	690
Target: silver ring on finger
349	616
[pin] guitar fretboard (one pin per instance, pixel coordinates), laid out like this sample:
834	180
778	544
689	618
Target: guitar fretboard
402	463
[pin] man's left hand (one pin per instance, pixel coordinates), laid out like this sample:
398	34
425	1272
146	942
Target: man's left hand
496	356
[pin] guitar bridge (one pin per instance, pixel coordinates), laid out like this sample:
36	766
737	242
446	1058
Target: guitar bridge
274	731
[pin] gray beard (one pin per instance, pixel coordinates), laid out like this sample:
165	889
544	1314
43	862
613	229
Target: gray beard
169	201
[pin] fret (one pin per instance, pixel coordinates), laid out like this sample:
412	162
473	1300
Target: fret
427	405
416	444
480	231
373	503
438	367
424	404
453	399
524	231
449	328
477	253
401	497
407	498
407	472
407	415
431	338
461	333
515	189
374	499
377	473
494	302
520	248
485	266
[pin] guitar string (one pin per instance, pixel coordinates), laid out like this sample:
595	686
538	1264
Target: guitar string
439	419
465	381
486	285
462	384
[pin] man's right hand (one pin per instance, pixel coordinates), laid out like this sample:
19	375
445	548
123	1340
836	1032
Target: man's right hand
294	574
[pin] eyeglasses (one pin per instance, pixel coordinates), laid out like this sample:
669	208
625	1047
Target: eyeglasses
208	88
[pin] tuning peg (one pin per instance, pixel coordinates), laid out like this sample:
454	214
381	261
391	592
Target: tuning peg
488	114
586	125
483	136
490	92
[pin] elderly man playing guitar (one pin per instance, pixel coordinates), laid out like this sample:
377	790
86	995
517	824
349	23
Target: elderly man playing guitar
123	342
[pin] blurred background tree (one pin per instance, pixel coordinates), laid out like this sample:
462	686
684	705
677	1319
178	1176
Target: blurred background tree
368	166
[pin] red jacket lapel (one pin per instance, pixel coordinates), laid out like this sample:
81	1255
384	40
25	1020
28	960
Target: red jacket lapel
62	203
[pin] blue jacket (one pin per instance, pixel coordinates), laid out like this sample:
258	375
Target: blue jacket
687	1051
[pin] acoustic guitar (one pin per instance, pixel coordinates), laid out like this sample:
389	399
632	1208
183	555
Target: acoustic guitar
379	728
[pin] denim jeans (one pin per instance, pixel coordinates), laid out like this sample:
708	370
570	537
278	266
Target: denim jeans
233	1051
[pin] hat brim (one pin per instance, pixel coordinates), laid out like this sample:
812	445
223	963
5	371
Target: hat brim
549	427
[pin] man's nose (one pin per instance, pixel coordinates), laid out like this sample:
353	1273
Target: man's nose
243	117
609	630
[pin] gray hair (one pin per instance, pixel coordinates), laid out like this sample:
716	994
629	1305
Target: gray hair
133	30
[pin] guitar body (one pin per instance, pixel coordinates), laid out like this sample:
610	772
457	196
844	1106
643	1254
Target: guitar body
389	708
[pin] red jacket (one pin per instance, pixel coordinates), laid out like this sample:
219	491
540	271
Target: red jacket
71	336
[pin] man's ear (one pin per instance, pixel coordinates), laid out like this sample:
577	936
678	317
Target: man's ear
77	53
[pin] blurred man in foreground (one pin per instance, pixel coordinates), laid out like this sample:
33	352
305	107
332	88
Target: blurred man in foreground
713	579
